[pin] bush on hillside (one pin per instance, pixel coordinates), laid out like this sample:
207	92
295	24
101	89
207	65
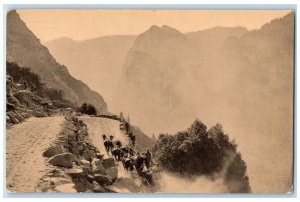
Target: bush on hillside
54	94
198	151
88	109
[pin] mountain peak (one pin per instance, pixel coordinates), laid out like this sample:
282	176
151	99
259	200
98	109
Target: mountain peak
12	13
154	27
60	40
163	28
166	27
163	32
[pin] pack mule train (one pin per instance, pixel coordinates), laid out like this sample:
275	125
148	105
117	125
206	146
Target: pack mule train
132	160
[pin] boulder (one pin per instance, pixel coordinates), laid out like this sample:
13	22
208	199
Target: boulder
30	112
111	189
12	116
9	80
76	172
63	160
113	172
10	107
25	115
19	116
58	181
39	114
108	163
52	151
86	170
13	101
103	179
85	163
97	167
56	172
97	187
90	178
99	156
7	119
88	154
66	188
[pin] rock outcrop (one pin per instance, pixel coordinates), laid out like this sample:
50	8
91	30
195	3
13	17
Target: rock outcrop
63	160
52	151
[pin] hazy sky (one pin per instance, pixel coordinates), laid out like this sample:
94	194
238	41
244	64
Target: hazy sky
85	24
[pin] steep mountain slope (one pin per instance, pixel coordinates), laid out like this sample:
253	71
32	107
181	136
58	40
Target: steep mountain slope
25	49
264	100
98	62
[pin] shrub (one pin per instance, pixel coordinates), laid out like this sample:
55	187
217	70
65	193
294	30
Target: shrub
88	109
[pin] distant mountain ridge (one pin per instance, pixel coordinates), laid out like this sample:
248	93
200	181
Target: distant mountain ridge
106	55
97	61
24	48
161	65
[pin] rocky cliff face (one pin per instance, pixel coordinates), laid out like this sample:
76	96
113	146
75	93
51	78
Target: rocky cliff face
25	49
159	68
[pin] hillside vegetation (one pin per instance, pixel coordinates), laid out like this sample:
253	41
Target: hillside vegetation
198	151
27	96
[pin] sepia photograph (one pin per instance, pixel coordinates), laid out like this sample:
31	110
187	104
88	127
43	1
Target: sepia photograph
149	101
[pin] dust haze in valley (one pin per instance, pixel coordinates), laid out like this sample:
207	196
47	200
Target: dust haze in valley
171	183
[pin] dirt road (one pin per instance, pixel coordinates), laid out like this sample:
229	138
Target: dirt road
25	143
127	182
98	126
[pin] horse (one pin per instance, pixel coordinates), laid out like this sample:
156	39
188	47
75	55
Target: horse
125	150
118	143
131	151
132	138
108	146
128	164
116	152
146	175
